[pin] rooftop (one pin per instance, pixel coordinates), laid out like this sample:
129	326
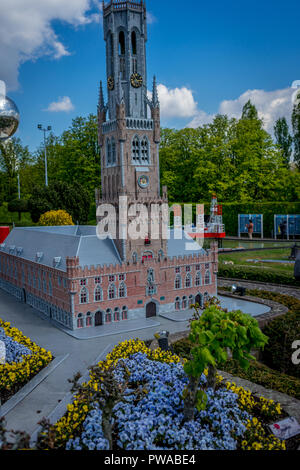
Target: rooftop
50	246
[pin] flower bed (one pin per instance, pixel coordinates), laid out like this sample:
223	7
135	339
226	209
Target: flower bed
24	359
133	401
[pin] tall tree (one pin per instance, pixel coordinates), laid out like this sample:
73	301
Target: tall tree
284	139
296	130
249	111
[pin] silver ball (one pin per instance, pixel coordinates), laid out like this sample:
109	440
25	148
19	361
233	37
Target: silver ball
9	118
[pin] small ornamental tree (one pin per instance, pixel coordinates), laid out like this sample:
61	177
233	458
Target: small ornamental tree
214	335
55	218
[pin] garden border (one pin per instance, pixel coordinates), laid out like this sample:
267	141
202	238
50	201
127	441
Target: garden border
10	404
59	411
230	279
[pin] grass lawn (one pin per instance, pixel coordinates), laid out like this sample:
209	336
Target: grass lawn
242	259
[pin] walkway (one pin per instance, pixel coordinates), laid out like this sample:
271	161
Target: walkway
292	291
79	356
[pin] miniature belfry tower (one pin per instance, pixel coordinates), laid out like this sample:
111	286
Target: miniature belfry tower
129	125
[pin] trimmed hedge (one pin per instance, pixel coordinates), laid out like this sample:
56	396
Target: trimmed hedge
256	274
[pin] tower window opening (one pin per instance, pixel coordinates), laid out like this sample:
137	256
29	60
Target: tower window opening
121	43
133	42
113	152
145	150
134	65
136	151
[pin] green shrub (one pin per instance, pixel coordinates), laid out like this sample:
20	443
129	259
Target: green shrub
257	373
257	274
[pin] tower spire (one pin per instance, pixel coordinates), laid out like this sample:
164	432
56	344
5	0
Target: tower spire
155	100
101	97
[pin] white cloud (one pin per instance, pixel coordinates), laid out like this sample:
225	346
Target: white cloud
26	31
63	105
176	102
271	105
151	18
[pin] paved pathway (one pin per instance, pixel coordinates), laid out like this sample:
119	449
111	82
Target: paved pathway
292	291
43	399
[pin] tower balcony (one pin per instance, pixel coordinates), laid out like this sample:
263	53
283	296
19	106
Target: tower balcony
131	123
119	5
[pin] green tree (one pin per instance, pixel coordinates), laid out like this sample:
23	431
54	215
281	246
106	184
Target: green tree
296	130
284	139
73	198
249	111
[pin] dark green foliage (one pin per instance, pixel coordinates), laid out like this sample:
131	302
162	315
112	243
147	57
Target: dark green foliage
249	111
18	205
283	139
268	275
296	130
73	198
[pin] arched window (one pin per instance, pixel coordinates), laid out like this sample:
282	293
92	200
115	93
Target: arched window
147	255
178	282
89	319
184	303
113	152
191	301
79	321
110	43
145	151
124	313
122	290
121	43
205	298
198	281
188	281
135	151
133	43
160	255
98	294
112	292
177	303
134	258
83	295
108	153
117	315
207	278
108	316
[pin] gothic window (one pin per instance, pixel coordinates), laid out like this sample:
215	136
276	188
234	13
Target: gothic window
151	290
147	255
98	294
133	42
124	313
135	151
111	292
80	321
83	295
50	287
113	152
111	278
108	152
184	303
134	258
198	280
89	319
83	282
108	316
188	281
191	301
145	151
98	280
122	290
177	303
121	43
160	255
122	277
117	315
111	53
207	278
178	282
205	298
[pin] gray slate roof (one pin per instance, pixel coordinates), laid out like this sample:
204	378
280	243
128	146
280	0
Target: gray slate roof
80	241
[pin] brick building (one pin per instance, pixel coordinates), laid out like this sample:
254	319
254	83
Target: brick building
69	273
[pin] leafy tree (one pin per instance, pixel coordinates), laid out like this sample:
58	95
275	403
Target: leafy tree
283	139
18	205
249	111
73	198
296	130
14	158
213	334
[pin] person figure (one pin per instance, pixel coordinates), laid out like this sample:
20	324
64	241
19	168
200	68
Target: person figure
283	229
250	228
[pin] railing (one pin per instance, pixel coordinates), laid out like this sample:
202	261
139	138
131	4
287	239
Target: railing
123	4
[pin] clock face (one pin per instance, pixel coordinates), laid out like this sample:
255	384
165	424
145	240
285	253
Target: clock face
110	83
136	80
143	181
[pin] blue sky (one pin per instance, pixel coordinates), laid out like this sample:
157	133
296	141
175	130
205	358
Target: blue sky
209	57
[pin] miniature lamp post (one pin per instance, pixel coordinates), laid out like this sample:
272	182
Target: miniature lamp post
47	129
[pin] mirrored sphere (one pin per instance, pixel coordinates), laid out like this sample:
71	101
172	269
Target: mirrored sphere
9	118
